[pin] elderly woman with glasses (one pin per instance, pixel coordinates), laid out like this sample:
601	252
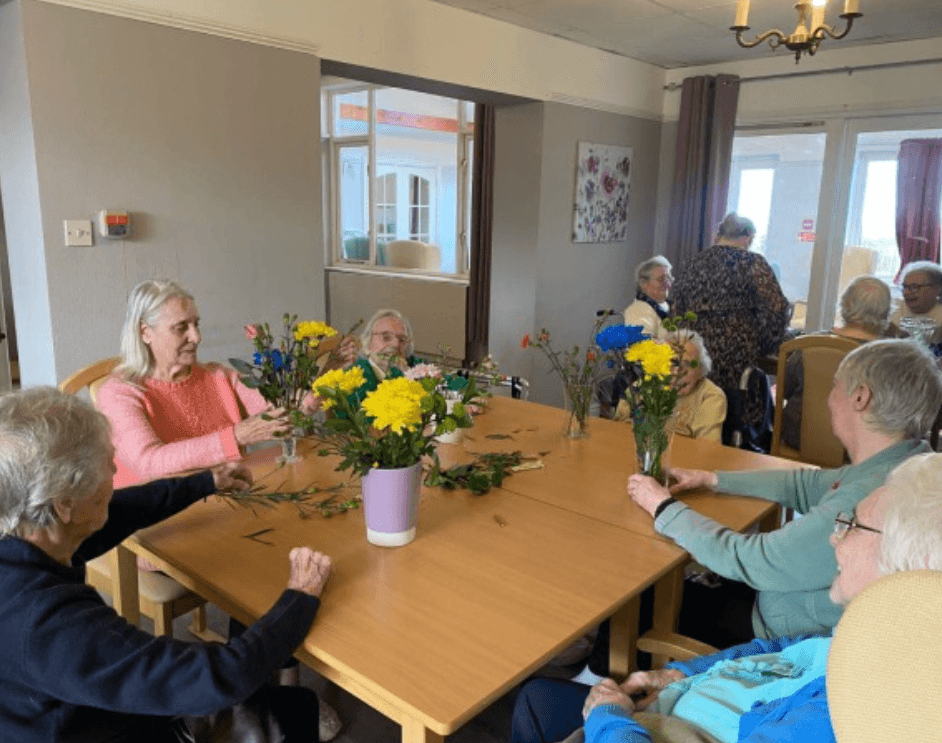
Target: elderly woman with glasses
651	306
765	691
922	282
701	405
72	669
387	349
885	396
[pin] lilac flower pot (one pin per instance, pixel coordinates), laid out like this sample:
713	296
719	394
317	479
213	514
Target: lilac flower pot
391	505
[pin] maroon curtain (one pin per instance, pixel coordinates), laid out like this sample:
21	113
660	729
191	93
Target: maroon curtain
701	172
478	303
918	191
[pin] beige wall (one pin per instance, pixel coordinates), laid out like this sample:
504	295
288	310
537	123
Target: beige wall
212	145
541	278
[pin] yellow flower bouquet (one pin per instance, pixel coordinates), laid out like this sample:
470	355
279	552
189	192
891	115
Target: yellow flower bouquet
393	427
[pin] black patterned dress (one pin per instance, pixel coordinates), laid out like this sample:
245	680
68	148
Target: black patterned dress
742	313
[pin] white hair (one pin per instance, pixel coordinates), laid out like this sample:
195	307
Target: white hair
866	303
367	334
912	523
52	445
904	382
144	305
682	337
645	269
932	270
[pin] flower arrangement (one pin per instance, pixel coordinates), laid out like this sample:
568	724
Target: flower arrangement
283	368
579	371
652	396
393	427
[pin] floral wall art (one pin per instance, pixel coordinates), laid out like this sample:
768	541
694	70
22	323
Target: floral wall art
603	187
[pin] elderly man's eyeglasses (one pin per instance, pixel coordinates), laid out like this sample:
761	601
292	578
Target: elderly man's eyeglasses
388	337
665	279
917	287
844	524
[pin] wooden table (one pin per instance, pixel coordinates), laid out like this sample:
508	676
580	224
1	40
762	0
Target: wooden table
492	587
430	634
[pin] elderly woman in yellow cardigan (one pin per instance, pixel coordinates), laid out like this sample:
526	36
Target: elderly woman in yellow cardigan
701	405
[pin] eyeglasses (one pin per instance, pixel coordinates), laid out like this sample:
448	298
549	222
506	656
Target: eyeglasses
844	524
917	287
388	337
665	279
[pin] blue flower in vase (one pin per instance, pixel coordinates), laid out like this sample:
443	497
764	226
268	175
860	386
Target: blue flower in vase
280	361
616	337
259	358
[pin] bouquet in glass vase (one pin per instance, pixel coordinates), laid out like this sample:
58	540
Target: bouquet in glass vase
383	439
579	370
283	368
652	396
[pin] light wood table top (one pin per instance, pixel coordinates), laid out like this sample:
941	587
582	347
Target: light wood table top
433	632
589	476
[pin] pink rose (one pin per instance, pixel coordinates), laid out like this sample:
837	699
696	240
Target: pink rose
251	332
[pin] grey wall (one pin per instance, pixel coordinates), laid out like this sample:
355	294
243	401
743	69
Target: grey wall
212	145
567	282
515	238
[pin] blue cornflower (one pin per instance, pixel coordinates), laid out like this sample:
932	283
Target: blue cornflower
258	358
620	336
277	360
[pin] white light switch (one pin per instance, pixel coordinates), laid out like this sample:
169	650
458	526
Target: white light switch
78	232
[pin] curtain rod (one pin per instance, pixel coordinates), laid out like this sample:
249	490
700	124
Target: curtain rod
834	71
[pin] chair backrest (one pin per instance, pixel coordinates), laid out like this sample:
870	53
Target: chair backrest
91	377
820	355
413	254
888	639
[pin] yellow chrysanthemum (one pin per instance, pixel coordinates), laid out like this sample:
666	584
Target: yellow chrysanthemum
344	381
313	329
655	358
396	404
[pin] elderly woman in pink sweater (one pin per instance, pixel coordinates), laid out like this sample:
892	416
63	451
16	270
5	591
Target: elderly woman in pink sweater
168	412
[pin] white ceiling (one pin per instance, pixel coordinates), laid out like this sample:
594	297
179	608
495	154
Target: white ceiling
682	33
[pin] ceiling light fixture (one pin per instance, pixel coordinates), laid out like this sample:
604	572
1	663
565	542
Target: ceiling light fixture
809	32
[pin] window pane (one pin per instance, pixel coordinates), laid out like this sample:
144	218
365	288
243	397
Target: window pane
351	114
353	200
417	138
870	240
775	180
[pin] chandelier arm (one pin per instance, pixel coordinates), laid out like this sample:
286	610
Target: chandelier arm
822	30
759	39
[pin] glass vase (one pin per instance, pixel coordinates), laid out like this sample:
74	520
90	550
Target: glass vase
578	397
289	450
653	434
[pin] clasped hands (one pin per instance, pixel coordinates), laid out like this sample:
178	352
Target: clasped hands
644	686
649	493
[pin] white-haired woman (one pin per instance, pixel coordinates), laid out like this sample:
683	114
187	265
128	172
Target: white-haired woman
651	305
169	413
886	394
73	670
865	309
387	349
701	405
922	282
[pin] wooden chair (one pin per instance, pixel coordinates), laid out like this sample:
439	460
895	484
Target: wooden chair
162	599
668	646
821	355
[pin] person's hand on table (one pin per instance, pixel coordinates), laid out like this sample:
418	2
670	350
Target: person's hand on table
649	683
647	492
262	426
606	691
691	479
309	571
231	476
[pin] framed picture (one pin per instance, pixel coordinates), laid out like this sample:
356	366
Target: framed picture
603	187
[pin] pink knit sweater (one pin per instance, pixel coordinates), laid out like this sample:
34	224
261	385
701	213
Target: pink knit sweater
168	427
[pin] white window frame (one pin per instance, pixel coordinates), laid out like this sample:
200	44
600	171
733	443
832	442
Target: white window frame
334	248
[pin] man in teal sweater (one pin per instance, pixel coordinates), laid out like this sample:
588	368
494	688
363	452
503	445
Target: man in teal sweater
885	396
